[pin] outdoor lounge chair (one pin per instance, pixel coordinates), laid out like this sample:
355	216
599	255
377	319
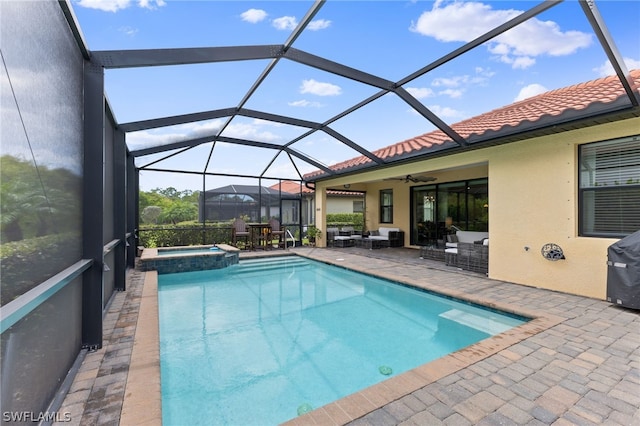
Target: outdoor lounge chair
331	234
240	232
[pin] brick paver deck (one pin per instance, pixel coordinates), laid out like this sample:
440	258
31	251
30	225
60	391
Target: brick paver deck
578	365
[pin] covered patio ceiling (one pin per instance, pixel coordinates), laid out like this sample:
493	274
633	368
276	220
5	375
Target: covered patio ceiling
298	144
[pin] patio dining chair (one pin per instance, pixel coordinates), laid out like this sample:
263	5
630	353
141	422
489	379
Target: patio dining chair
240	232
277	232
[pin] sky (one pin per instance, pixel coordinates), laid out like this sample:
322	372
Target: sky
389	39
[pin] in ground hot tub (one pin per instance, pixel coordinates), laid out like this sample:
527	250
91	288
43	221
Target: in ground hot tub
169	260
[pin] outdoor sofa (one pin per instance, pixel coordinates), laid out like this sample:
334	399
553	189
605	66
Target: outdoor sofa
393	236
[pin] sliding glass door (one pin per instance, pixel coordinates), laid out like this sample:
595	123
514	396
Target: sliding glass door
441	209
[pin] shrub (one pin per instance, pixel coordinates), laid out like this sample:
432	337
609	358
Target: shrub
27	263
338	220
184	235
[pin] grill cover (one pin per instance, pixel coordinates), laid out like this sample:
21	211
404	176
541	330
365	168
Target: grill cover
623	272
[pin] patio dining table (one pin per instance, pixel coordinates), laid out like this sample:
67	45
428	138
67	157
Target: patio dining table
260	236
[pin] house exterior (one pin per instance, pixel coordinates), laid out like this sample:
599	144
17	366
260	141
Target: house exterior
343	201
574	184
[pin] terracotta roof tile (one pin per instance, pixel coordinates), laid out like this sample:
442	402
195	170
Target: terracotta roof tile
293	187
550	104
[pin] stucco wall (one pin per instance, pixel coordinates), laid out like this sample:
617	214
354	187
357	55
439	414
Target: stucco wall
340	205
533	200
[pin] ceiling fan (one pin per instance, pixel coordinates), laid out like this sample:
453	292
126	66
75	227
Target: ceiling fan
414	179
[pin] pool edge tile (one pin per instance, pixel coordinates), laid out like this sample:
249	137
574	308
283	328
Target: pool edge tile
143	401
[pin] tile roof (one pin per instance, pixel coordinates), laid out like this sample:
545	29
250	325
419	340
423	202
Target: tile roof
530	111
293	187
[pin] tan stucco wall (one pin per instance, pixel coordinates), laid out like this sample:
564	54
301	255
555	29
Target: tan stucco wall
533	200
340	205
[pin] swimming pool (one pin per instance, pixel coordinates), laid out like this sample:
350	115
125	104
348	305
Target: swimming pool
263	341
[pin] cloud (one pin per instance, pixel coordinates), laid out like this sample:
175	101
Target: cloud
151	4
606	69
285	23
452	93
250	131
129	31
518	47
455	81
115	5
318	24
456	86
290	23
445	112
253	130
319	88
305	103
420	92
530	91
253	16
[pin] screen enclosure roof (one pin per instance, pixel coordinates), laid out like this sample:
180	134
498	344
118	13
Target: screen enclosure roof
324	82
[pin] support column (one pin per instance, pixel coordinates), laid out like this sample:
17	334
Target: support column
120	208
93	205
132	210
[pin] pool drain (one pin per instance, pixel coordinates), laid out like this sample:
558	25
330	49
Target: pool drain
304	408
385	369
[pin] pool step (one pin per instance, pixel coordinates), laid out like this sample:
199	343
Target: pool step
487	325
259	265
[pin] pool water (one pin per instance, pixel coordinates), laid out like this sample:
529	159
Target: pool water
186	250
264	341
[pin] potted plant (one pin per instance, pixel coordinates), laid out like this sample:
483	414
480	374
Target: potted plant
312	234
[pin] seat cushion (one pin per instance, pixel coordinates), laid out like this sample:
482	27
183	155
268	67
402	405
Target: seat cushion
384	231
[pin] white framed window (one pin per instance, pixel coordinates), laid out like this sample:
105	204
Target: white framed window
609	188
386	206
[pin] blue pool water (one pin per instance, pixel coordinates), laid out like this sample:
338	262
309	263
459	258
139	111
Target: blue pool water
262	341
186	250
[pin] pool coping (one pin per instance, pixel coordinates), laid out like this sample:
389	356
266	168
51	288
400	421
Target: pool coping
142	400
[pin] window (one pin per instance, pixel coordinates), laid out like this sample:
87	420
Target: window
386	206
358	206
609	195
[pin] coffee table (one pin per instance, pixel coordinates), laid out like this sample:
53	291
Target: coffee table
369	243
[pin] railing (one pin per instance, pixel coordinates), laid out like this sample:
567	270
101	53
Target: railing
17	309
41	340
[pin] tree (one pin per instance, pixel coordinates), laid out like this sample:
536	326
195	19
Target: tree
179	212
168	205
37	202
150	214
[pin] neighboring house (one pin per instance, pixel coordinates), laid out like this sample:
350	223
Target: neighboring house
562	167
233	201
343	201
